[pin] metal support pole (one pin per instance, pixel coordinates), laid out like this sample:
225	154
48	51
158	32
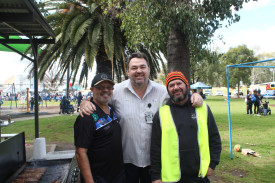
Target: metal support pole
229	115
36	95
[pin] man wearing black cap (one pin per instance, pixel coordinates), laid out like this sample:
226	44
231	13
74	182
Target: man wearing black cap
185	142
98	137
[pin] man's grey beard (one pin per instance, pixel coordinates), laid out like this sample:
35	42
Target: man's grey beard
178	99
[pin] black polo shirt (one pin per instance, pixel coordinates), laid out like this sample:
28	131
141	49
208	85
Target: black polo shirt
100	133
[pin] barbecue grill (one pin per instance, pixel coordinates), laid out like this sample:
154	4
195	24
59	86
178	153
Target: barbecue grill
15	169
56	171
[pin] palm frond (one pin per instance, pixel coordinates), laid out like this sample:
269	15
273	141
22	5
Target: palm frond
89	57
67	26
84	73
79	53
93	6
108	38
94	37
79	27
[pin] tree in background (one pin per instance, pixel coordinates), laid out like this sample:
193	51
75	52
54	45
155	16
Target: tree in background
240	54
263	75
207	69
179	29
52	79
85	33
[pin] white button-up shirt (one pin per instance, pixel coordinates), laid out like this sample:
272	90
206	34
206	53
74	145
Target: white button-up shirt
131	109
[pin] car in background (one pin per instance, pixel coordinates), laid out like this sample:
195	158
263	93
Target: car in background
219	93
269	94
235	92
208	92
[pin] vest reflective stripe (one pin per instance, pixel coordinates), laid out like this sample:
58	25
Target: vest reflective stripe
170	163
170	159
203	139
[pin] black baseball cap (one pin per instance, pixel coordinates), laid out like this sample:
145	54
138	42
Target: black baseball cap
100	78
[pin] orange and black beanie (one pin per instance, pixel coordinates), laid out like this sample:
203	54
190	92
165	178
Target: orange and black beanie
176	75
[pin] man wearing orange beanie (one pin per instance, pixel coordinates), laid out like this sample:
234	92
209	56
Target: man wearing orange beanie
185	141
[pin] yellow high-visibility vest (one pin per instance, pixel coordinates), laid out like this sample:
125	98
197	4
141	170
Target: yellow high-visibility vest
170	158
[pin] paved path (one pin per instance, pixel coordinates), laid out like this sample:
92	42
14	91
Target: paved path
20	114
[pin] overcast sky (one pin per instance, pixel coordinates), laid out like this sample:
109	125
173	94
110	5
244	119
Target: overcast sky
256	29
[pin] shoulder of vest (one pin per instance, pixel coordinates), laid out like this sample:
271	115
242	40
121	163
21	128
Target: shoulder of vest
164	106
203	107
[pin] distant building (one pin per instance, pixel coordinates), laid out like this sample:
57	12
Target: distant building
21	82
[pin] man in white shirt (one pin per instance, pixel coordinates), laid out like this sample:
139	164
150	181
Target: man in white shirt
136	100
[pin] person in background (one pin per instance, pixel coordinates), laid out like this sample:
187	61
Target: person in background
201	93
32	103
249	103
256	103
97	138
79	99
259	91
265	107
185	142
56	97
1	102
136	100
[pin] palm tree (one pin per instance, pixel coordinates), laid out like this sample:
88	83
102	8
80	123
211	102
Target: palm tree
86	33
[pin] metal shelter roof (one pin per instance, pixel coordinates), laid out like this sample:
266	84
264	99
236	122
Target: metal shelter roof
23	18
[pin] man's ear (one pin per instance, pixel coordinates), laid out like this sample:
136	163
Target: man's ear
92	89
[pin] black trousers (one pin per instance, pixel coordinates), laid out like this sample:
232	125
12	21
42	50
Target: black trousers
256	108
249	108
136	174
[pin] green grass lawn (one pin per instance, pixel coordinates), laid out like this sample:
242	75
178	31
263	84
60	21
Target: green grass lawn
54	129
246	130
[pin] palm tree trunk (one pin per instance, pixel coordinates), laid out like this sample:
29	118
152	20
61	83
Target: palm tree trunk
104	65
178	53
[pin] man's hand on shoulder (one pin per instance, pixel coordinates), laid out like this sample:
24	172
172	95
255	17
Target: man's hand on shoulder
157	181
86	108
196	100
210	172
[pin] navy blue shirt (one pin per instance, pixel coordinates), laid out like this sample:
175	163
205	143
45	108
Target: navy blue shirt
100	133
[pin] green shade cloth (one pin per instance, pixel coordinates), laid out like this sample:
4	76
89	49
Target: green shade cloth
19	47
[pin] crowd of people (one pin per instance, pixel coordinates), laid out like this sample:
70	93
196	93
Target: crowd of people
255	99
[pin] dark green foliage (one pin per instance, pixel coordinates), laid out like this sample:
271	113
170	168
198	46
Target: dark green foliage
179	29
240	54
84	33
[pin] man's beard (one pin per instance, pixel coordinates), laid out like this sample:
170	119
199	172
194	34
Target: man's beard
178	99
